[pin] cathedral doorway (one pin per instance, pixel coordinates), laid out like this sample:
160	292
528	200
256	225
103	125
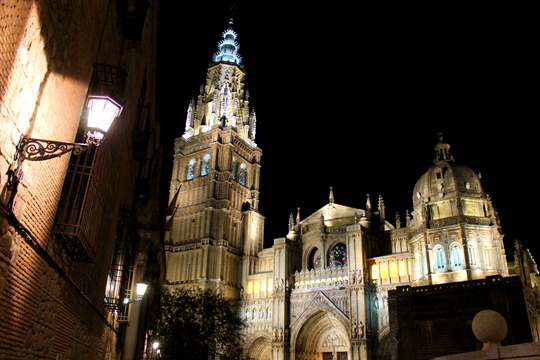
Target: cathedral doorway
322	336
260	349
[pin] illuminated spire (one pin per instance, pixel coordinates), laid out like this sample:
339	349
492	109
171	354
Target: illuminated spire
228	47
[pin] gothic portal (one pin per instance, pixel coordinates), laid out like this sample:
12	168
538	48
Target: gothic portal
320	292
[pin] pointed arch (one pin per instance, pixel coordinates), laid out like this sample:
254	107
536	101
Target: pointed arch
314	324
259	346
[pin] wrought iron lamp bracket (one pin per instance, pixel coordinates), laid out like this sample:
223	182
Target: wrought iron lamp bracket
38	150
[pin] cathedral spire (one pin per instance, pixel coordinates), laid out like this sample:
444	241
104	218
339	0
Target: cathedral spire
228	47
331	195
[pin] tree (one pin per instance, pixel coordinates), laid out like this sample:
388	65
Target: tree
198	324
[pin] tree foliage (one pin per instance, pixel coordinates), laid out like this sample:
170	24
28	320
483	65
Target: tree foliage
198	324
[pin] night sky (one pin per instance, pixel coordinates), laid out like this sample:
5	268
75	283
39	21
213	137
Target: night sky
353	98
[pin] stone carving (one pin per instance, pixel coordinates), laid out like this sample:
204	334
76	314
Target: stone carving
361	330
354	330
280	334
286	334
334	340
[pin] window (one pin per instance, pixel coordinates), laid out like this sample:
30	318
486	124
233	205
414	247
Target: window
250	288
455	257
338	256
402	268
205	165
234	169
409	264
270	285
384	271
393	269
374	272
121	260
190	170
314	261
263	287
256	287
440	259
242	176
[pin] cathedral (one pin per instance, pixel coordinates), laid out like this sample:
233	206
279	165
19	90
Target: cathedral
320	292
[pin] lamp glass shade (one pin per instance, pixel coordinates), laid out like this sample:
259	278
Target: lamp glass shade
101	112
141	289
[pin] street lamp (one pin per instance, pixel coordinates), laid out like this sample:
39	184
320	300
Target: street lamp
140	290
102	110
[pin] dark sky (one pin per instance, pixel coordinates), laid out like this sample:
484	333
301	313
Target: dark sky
353	98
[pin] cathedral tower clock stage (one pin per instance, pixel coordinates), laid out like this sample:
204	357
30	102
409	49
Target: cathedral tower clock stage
214	228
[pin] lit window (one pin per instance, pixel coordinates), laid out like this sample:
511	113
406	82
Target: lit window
402	268
263	286
374	272
393	269
242	176
191	170
338	256
270	285
384	271
455	256
440	258
205	165
409	263
256	287
250	288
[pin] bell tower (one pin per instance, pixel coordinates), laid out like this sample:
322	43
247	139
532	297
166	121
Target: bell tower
213	221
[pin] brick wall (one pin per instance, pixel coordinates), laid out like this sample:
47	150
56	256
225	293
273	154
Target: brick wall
50	304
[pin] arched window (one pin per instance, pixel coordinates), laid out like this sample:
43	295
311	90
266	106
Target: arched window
250	288
471	249
205	165
314	261
270	285
384	271
402	268
393	269
338	256
191	170
409	263
487	257
263	287
374	272
440	259
456	260
242	176
234	169
256	287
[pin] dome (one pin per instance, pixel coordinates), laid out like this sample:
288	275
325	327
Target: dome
446	179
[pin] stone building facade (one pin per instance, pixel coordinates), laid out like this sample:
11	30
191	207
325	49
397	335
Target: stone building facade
320	292
76	232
